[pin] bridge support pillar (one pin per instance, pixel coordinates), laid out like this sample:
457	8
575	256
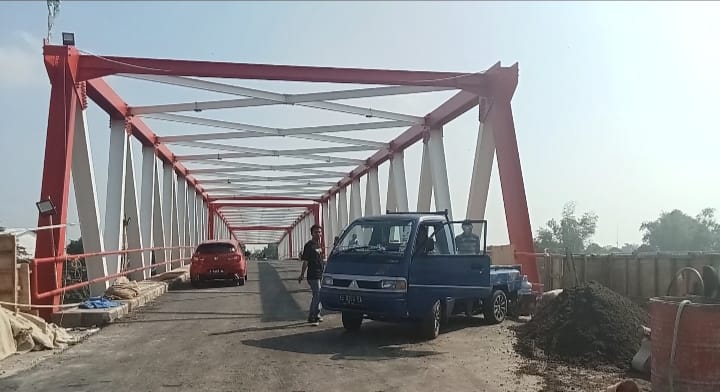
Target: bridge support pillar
372	193
426	181
342	210
438	168
355	201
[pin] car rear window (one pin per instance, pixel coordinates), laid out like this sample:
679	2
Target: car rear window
207	249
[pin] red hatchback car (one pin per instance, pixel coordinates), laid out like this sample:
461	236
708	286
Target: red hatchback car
218	260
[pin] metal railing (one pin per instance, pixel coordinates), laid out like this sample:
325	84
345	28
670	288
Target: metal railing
55	259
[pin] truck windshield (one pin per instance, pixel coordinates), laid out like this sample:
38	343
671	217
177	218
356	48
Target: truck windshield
382	236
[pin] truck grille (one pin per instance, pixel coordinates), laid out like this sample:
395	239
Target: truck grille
363	284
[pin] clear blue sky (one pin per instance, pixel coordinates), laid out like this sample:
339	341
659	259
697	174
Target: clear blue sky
616	106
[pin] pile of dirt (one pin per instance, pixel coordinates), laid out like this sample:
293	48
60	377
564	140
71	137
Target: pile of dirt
588	324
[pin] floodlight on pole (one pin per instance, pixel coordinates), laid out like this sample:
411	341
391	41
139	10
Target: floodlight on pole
68	39
46	207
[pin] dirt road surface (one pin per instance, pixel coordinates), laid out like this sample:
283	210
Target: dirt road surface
254	338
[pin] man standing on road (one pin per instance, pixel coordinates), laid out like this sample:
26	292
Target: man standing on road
468	242
314	264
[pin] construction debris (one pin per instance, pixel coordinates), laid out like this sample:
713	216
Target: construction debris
588	324
23	332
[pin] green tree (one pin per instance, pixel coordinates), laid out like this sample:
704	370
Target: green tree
570	232
676	231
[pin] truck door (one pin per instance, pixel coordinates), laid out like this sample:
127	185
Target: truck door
437	272
470	250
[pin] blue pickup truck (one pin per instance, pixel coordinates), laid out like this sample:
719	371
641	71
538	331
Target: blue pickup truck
411	267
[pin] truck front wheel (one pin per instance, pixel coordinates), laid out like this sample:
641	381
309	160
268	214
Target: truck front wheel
431	324
496	308
352	321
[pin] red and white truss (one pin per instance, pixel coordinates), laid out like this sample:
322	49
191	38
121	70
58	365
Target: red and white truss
209	181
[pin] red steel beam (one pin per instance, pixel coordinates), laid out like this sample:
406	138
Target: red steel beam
62	67
92	67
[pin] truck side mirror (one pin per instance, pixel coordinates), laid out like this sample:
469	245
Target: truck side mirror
336	240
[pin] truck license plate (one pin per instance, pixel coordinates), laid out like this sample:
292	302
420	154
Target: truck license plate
351	299
216	271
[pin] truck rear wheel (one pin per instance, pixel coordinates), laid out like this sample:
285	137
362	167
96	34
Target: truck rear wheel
495	310
431	325
352	320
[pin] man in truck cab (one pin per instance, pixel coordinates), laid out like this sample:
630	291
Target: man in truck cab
467	242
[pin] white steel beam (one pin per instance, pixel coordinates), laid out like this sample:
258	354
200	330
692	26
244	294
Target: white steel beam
133	236
160	211
192	217
391	200
342	210
231	178
251	131
441	188
114	204
399	184
278	98
355	201
426	181
290	99
333	219
372	193
181	196
323	138
250	181
175	213
253	152
168	211
482	170
83	177
326	224
148	178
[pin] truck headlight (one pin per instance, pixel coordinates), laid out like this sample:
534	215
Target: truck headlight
327	281
394	285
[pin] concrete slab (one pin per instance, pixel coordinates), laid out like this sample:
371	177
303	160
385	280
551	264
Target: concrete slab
149	290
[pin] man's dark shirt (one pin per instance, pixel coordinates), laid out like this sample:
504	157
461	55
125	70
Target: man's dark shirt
468	243
312	253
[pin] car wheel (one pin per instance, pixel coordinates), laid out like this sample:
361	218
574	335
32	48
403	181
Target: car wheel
352	321
241	282
496	309
431	325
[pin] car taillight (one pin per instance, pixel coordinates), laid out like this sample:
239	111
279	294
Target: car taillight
234	258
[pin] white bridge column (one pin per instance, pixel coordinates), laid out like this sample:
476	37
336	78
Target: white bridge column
333	220
83	177
114	205
372	193
397	187
482	170
181	195
167	203
147	212
426	181
342	210
160	239
441	189
326	226
355	201
132	231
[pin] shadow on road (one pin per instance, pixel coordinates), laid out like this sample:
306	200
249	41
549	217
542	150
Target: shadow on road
175	320
277	303
375	341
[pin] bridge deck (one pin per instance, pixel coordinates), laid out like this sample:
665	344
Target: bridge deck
254	338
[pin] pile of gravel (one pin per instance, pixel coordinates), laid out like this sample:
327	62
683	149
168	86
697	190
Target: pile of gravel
588	324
